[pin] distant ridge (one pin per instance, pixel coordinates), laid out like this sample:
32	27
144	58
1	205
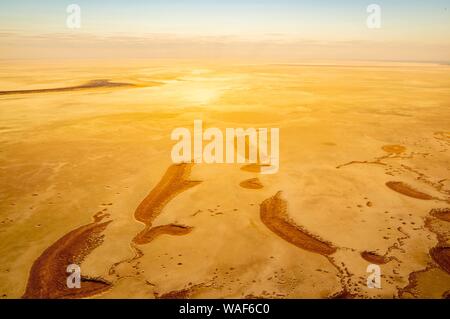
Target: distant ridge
102	83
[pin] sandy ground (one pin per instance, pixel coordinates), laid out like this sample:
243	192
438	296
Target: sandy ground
364	178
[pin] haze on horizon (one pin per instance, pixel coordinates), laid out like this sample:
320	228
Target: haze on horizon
270	30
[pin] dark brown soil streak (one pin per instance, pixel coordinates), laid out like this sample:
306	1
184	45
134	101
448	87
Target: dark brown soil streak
442	214
173	182
253	183
374	258
48	274
273	213
185	293
407	190
254	168
344	294
412	283
151	233
441	252
441	255
177	294
94	84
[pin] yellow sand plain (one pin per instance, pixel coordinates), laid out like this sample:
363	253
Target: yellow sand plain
364	158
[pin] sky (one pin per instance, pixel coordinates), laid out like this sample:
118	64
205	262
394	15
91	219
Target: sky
280	29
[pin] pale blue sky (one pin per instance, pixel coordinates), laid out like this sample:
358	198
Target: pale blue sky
412	22
418	20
